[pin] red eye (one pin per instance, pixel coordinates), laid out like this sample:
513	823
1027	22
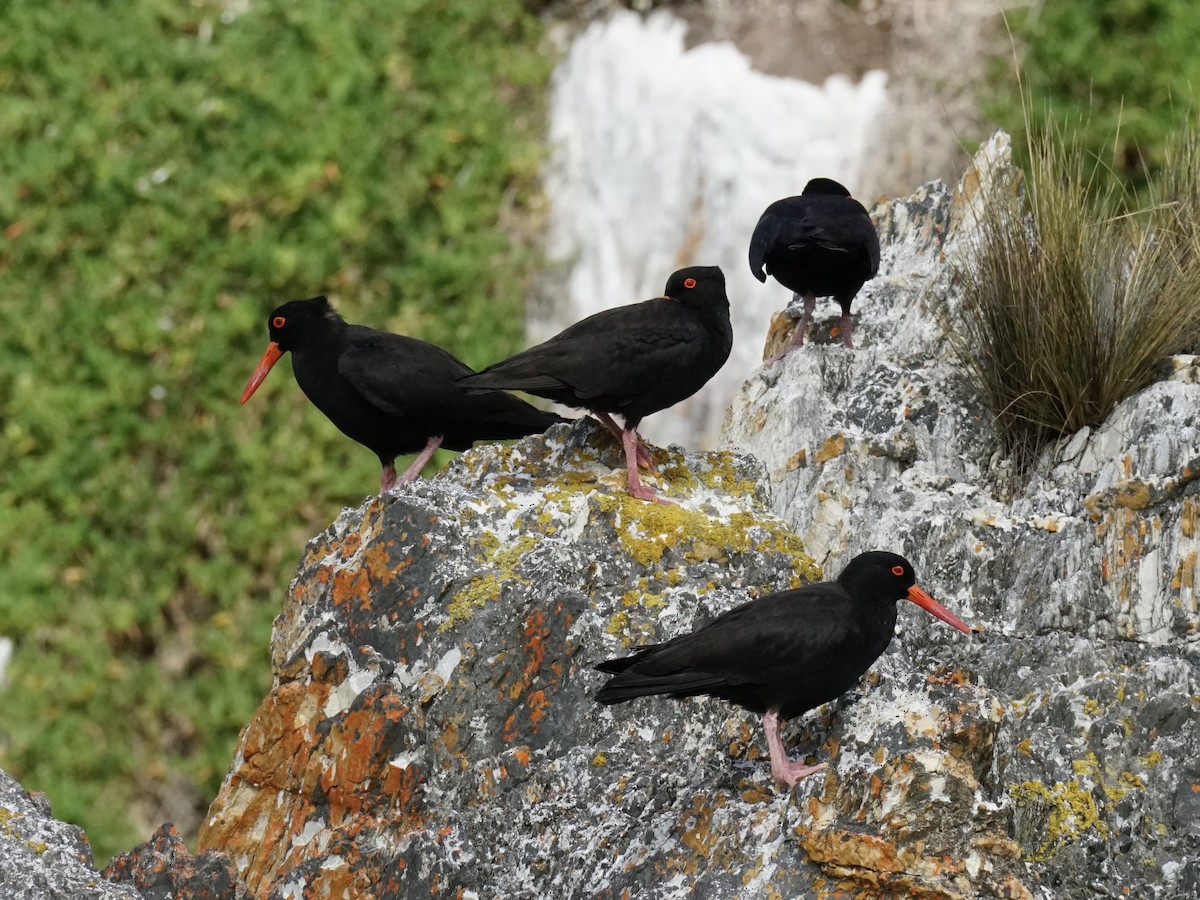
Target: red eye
897	570
278	322
689	283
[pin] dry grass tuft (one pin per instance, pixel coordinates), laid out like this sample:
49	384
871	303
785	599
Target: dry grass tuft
1070	299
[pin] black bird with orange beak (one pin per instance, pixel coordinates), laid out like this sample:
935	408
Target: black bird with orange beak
393	394
631	360
783	654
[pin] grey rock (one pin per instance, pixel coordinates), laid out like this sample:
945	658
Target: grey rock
1080	577
42	858
432	724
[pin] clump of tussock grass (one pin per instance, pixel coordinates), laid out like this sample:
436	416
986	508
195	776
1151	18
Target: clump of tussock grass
1070	297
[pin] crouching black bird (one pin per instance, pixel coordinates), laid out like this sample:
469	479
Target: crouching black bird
782	654
393	394
633	360
819	244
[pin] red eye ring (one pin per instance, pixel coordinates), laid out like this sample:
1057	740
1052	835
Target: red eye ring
689	283
278	322
897	570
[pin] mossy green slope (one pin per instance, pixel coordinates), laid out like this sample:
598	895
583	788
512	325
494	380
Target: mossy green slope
168	173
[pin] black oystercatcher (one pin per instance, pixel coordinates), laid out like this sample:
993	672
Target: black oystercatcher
633	360
783	654
392	394
819	244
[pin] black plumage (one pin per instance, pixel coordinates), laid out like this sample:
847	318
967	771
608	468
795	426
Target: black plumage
632	360
820	244
783	654
393	394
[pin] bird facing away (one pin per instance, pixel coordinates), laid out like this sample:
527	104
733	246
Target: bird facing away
782	654
393	394
820	244
633	360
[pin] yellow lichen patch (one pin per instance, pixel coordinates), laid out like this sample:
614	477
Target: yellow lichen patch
1187	517
1088	765
1151	759
617	624
646	531
9	830
1115	785
642	599
599	759
463	604
722	475
487	587
1070	811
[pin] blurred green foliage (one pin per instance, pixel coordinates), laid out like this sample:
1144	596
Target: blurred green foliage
1122	75
169	172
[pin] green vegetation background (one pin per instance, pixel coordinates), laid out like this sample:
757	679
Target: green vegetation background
1120	75
168	173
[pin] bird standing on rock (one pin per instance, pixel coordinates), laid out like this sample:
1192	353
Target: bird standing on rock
633	360
819	244
392	394
783	654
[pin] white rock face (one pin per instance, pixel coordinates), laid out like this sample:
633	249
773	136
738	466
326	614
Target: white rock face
664	157
889	446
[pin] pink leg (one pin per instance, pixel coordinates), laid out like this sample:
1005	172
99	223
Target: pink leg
810	304
847	330
417	464
782	768
387	478
630	439
643	455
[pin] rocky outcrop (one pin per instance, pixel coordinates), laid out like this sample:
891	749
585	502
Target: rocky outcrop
163	869
42	858
1081	575
431	728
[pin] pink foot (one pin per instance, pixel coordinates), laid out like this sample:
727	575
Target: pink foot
810	303
645	461
631	441
644	492
782	768
792	772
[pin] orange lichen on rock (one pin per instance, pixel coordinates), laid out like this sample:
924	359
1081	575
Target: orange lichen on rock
352	589
287	764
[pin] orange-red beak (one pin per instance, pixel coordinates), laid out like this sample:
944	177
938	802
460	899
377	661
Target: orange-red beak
931	606
264	367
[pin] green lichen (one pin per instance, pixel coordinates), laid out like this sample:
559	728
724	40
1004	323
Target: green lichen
642	599
647	531
1114	784
722	475
462	605
617	626
1070	810
503	560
